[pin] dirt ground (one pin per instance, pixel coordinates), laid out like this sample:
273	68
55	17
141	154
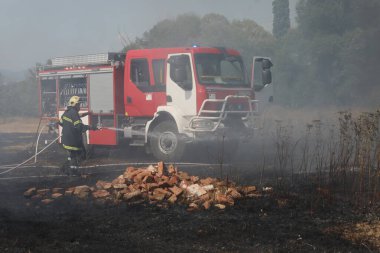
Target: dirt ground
291	219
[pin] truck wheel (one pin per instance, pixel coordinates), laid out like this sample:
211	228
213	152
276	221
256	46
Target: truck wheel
165	142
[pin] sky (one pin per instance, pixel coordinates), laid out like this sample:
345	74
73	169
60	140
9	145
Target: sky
33	31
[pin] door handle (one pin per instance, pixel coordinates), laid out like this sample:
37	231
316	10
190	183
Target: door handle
129	100
169	98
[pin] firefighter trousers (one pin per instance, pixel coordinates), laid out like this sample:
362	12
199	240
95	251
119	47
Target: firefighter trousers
71	166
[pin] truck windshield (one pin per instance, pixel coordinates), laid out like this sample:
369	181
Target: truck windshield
220	69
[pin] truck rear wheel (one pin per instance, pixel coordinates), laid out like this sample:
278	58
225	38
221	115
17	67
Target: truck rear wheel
166	143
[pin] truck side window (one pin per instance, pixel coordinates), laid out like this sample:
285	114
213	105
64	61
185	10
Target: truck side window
159	71
140	72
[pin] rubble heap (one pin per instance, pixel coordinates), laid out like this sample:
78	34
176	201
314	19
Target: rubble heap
157	184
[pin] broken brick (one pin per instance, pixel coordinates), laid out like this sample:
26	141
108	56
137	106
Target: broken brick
248	189
57	190
162	191
119	186
221	183
129	174
152	169
139	177
233	193
68	193
173	180
220	206
47	201
194	179
118	195
43	191
223	199
160	185
56	195
171	169
254	195
103	185
149	179
207	204
172	199
30	192
160	169
119	180
157	196
132	195
183	176
208	187
152	186
176	190
100	194
205	197
164	184
207	181
37	196
82	191
195	190
165	178
130	169
192	207
183	184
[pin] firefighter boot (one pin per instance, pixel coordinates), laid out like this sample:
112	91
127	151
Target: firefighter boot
65	168
74	165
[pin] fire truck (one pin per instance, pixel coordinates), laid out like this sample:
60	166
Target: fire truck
163	99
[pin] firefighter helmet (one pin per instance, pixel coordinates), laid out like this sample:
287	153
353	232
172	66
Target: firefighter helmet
74	100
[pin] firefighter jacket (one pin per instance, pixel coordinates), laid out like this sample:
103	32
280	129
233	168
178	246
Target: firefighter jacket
72	129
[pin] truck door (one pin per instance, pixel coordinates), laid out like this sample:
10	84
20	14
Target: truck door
261	82
181	88
143	92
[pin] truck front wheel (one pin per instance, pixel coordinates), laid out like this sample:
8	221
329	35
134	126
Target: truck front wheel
166	143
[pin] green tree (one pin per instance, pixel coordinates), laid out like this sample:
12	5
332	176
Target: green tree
281	19
332	56
210	30
20	98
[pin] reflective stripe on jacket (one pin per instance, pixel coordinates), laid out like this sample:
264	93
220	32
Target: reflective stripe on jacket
72	129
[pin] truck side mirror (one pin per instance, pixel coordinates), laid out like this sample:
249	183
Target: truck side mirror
267	64
266	73
266	76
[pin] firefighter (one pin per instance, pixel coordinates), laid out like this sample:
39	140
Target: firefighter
72	129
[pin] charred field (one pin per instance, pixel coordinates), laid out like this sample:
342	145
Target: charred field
319	203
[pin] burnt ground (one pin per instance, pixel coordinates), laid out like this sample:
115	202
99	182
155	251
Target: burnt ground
291	219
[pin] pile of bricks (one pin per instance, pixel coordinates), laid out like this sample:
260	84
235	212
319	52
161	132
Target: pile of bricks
157	184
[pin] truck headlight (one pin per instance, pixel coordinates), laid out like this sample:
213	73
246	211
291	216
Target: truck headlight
202	124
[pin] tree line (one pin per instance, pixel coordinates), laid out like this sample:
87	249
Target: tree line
19	98
330	57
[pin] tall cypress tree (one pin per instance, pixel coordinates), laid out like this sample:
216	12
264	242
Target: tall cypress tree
281	19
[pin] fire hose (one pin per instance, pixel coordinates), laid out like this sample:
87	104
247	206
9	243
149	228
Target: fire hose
35	155
12	167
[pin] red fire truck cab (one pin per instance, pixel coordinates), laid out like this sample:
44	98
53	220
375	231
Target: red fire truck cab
162	98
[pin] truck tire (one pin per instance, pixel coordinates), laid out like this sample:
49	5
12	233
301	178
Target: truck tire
166	143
